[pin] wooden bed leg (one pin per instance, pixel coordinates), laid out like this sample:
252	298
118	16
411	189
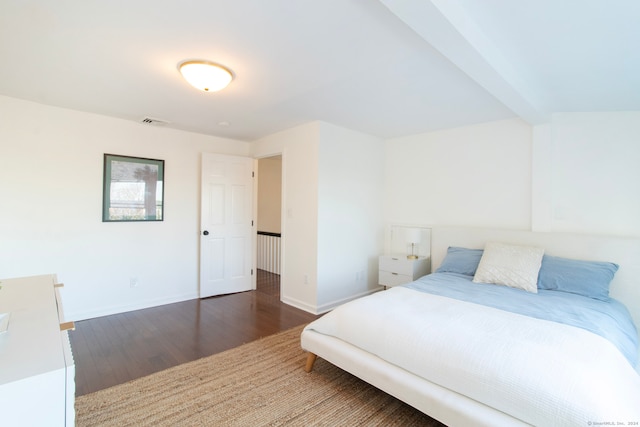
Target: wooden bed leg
311	359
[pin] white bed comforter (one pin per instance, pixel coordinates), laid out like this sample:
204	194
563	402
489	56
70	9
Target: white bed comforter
541	372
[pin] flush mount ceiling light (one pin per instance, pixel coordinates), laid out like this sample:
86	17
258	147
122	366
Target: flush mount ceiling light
205	75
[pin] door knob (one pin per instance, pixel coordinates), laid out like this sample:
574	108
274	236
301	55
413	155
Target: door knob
205	232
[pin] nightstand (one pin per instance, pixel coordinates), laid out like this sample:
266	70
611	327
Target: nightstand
397	270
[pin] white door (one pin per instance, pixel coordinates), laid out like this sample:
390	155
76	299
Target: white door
226	225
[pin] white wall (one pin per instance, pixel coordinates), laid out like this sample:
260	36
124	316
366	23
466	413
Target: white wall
595	172
51	168
475	175
578	173
299	269
332	221
350	217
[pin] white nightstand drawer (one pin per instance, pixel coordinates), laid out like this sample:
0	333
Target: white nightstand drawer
393	279
396	264
396	270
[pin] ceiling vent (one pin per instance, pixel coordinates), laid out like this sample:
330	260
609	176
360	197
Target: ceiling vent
152	121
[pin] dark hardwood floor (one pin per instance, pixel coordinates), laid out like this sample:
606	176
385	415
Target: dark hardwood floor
114	349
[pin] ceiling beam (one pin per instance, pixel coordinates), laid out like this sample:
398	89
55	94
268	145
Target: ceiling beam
445	26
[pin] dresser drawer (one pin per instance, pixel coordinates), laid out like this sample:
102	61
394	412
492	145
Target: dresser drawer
388	278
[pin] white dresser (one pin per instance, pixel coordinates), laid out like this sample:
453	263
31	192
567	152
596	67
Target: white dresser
397	270
37	371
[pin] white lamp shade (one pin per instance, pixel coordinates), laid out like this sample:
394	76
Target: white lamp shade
206	76
413	235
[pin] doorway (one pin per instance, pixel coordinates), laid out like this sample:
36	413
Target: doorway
269	220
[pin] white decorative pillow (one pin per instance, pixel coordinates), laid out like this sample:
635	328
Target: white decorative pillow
510	265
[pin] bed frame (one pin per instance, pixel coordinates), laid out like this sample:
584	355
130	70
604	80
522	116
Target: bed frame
446	405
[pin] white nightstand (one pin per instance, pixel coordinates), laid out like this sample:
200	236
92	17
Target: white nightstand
397	270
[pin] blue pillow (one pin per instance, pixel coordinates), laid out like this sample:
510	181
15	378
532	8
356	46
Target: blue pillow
588	278
461	261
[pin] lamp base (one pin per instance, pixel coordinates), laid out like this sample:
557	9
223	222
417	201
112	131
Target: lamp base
412	256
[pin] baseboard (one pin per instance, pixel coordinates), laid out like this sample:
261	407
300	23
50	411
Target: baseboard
328	306
107	311
333	304
298	304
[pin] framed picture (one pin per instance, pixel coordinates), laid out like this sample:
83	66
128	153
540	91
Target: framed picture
133	189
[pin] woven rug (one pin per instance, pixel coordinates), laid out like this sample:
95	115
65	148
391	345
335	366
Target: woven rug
261	383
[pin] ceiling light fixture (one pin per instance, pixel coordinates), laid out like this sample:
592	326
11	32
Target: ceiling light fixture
205	75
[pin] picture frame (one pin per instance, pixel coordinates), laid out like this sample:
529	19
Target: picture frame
133	189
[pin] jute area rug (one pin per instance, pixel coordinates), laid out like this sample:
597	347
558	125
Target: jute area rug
261	383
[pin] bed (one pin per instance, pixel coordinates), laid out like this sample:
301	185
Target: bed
468	346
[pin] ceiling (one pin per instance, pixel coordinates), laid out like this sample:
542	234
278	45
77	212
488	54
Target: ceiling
387	68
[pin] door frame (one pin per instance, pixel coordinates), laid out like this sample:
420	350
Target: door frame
283	200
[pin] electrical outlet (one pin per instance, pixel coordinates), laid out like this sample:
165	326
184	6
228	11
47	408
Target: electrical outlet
306	279
133	282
